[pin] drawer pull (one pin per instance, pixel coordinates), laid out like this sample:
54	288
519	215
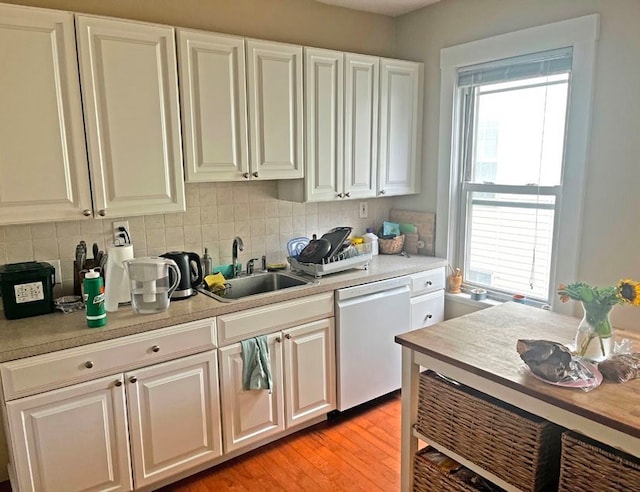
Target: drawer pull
245	175
288	336
133	379
428	316
88	364
155	348
118	382
428	283
278	339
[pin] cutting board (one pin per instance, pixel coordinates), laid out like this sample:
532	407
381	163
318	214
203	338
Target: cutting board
425	223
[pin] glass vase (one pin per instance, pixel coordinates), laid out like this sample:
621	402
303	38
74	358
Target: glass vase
594	339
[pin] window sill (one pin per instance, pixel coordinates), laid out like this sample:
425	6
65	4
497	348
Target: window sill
465	298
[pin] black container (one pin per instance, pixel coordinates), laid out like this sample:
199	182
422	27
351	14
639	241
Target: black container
27	289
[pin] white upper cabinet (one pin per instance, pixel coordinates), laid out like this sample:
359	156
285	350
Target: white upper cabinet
361	125
43	163
214	108
274	84
401	97
341	132
324	124
130	93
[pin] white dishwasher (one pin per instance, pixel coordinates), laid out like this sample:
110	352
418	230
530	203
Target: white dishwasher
368	317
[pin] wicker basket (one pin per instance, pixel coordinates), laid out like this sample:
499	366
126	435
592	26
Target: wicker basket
589	465
391	246
519	448
427	477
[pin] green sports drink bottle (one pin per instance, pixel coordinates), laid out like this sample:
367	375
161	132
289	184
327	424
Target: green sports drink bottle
94	299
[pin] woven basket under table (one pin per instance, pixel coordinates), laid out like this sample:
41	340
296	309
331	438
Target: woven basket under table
520	448
427	477
589	465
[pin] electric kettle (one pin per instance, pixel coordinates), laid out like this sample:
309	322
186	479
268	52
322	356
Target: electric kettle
152	281
191	275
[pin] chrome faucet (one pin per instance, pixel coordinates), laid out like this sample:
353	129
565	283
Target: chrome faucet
238	245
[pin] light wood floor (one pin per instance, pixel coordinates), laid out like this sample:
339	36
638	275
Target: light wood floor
358	450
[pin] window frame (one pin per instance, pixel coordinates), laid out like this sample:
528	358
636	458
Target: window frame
581	34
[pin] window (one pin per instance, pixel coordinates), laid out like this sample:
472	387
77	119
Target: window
513	130
513	148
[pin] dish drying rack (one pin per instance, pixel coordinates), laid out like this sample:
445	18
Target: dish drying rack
356	256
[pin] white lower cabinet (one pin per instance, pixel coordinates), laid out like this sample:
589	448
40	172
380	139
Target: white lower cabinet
174	416
427	297
303	373
163	419
73	438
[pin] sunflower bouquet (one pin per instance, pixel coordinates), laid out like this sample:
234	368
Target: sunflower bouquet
598	303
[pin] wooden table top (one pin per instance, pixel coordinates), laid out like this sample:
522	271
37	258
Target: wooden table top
484	343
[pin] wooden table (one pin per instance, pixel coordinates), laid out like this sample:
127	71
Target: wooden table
479	350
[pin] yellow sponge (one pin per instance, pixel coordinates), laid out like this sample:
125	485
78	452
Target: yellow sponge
215	281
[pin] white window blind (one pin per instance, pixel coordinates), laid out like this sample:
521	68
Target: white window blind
512	131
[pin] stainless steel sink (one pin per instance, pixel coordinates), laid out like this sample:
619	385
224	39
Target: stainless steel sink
257	283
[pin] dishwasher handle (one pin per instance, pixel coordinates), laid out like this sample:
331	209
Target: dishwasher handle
372	288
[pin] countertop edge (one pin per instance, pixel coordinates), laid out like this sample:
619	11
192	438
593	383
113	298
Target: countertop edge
38	335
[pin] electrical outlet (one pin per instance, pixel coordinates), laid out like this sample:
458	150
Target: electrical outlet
363	210
56	265
120	237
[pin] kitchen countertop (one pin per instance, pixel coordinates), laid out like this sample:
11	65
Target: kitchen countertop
47	333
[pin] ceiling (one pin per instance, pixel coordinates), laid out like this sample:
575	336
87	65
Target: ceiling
384	7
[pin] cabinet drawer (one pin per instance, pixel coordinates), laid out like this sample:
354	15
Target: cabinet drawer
239	326
427	281
427	309
57	369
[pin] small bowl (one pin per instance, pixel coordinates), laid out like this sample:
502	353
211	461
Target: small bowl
69	304
478	294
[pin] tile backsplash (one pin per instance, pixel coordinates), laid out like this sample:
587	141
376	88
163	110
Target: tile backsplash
216	212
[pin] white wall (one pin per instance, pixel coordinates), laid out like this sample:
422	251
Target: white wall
610	232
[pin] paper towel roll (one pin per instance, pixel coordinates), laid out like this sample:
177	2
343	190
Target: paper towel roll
117	287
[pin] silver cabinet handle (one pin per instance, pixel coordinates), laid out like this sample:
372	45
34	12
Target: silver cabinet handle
155	348
118	382
133	379
102	212
288	336
86	212
428	316
278	340
347	194
382	192
340	195
245	175
428	282
88	364
255	175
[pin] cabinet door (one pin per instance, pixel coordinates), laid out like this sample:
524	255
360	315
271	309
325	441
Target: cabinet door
309	371
361	125
274	83
214	108
324	118
250	416
427	309
174	416
130	94
73	438
43	168
400	127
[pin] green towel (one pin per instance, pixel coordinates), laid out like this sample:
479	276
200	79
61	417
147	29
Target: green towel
256	366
